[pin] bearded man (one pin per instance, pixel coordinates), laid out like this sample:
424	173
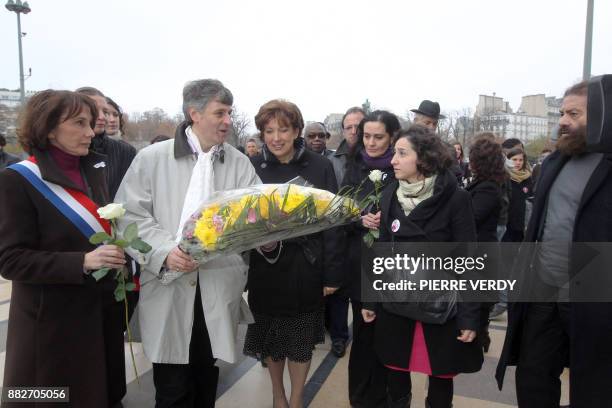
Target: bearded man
573	204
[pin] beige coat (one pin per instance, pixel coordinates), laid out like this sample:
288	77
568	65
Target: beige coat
153	192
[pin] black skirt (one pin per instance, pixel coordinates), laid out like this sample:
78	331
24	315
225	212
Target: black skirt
285	337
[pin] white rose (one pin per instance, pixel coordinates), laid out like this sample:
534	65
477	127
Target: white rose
375	176
111	211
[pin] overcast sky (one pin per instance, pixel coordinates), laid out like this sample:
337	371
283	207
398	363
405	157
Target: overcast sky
323	55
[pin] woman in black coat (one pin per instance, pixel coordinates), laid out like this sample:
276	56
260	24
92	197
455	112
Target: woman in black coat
425	204
288	280
373	151
522	188
487	165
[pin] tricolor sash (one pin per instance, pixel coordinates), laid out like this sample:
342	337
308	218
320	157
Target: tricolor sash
72	204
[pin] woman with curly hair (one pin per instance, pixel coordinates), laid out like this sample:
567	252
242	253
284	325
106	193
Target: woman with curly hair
487	166
489	175
424	204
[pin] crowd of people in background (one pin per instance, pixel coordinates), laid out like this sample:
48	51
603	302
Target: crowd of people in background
66	329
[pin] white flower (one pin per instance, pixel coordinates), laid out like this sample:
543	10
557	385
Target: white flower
111	211
375	176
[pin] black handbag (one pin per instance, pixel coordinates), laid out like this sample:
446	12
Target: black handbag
435	307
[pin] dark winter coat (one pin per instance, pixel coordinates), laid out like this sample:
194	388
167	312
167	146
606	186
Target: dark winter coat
444	217
64	328
590	323
294	284
516	210
119	156
486	202
356	176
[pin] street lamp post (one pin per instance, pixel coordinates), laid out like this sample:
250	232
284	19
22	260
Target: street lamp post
18	8
588	42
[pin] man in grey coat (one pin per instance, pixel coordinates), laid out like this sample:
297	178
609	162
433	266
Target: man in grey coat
188	312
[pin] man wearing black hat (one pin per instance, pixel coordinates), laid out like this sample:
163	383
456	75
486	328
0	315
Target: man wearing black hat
428	114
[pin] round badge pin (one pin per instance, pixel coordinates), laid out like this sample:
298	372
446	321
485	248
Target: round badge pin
395	225
525	190
384	176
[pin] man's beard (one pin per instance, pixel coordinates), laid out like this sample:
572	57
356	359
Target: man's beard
573	142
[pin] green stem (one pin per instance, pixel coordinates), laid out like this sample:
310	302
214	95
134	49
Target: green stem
127	325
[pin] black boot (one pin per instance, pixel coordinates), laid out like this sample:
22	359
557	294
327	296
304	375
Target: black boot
401	403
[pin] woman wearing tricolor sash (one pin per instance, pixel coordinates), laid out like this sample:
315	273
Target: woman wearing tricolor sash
65	329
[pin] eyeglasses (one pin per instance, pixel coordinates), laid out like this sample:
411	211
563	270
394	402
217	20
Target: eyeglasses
313	136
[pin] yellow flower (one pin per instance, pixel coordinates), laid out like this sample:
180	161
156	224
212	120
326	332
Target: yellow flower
322	205
293	201
264	207
351	206
211	211
270	197
206	233
235	208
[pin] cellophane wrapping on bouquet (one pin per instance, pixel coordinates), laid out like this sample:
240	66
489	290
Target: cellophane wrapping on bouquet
238	220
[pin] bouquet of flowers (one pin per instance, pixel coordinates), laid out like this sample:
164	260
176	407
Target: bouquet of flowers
243	219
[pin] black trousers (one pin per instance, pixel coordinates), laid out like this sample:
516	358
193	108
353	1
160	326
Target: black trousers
439	391
336	316
366	375
189	385
544	353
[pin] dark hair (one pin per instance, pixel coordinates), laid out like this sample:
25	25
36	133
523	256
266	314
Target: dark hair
45	111
350	111
579	89
546	150
511	143
433	155
487	160
2	140
90	91
251	139
120	111
285	112
391	122
160	138
456	142
515	152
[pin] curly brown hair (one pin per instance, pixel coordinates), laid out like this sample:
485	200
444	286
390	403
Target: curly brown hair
48	109
434	157
487	159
